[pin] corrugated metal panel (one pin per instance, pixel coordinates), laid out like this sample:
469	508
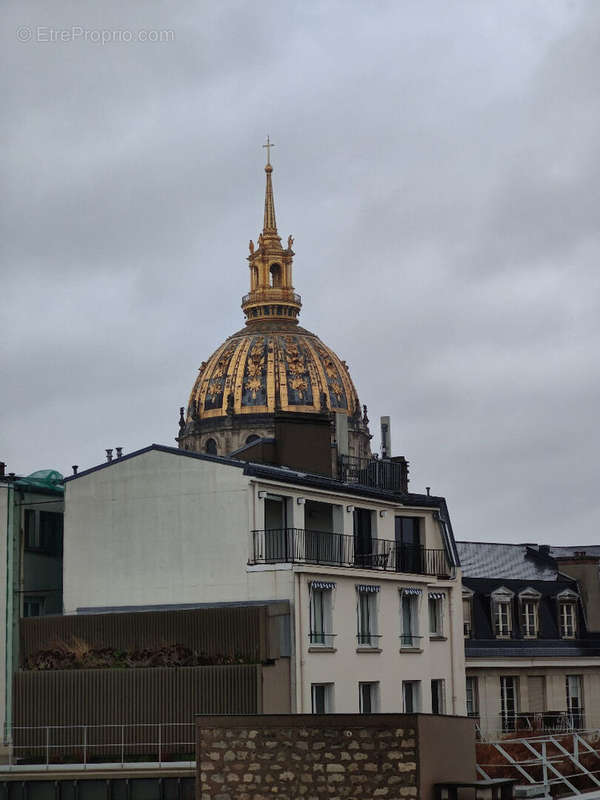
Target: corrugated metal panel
114	696
140	706
232	631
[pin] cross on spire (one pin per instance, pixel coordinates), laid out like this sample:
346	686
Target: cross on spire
268	145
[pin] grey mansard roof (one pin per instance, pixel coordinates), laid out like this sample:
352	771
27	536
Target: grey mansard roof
505	561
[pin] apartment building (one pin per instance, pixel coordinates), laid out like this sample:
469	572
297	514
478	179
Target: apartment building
371	575
532	644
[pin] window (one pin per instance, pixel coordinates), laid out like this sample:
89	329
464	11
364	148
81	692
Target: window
503	620
275	271
368	697
210	447
411	696
409	617
33	606
279	540
321	544
567	619
467	604
575	701
409	552
472	697
363	544
529	618
438	696
509	701
529	604
43	531
502	613
366	612
322	698
436	614
320	614
32	541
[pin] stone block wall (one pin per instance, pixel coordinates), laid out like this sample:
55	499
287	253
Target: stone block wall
312	757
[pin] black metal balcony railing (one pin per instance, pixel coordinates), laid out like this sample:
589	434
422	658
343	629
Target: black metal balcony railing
543	721
320	639
368	639
374	472
410	640
300	546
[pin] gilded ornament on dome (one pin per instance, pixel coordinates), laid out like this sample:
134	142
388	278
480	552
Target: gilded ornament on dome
298	379
299	385
214	388
253	385
337	394
254	374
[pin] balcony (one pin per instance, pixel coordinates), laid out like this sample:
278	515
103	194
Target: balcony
300	546
272	295
529	723
374	472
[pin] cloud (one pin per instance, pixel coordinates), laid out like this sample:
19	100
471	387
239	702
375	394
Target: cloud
439	171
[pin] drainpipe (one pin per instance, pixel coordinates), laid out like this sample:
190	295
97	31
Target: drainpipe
298	643
10	622
452	639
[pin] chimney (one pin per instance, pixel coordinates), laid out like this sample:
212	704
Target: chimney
428	490
386	437
341	434
2	469
119	452
75	467
109	453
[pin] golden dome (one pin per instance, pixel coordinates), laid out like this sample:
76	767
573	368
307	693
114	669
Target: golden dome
270	367
276	366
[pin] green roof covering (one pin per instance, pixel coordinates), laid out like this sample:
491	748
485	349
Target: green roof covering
48	479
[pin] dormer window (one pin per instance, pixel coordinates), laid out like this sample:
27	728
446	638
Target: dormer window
567	614
502	612
529	608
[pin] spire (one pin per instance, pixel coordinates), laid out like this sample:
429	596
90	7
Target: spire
270	225
271	290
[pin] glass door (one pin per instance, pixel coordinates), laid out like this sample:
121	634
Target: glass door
509	702
575	701
362	537
409	553
277	546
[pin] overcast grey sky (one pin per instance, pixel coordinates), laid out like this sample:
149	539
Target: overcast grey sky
438	163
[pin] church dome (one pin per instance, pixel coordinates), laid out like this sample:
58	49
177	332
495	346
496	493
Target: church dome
270	367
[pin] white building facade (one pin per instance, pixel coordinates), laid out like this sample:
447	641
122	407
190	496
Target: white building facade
371	576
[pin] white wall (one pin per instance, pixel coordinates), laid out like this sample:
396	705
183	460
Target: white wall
156	529
349	665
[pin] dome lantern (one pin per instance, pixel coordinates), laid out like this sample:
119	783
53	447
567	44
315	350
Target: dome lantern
271	290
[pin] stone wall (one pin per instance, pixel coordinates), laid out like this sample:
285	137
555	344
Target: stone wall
333	756
306	756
